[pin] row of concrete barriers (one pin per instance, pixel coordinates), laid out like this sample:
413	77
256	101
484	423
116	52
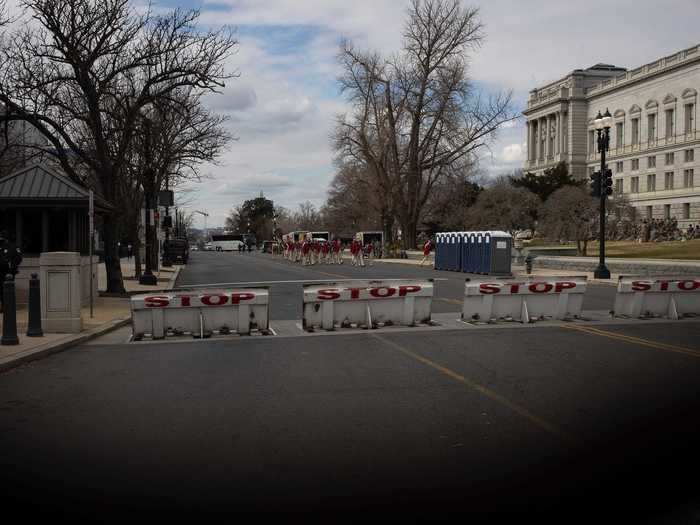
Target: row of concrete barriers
403	302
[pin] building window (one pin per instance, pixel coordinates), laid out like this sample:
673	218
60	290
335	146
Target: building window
651	161
651	182
689	117
669	159
668	180
669	123
635	131
619	134
651	128
689	155
635	164
686	210
591	142
650	212
634	185
619	166
688	179
667	211
618	185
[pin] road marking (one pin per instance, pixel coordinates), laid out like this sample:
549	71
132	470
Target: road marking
451	301
634	340
524	412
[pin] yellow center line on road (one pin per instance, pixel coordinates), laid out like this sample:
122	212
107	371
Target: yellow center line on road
543	424
634	340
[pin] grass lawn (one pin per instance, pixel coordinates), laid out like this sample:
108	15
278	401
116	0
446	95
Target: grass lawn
689	250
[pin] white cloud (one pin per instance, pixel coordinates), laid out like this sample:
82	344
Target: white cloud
513	153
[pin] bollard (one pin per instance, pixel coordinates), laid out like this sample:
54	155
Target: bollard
9	313
34	323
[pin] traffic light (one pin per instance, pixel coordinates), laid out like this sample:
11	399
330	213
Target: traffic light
595	184
606	188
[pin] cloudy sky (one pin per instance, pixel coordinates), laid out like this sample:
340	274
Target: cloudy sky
283	104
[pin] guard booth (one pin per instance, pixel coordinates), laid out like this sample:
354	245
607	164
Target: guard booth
42	211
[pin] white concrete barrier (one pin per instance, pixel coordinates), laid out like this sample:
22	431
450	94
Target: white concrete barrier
200	312
523	300
671	297
367	304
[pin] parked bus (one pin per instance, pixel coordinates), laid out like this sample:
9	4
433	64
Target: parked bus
226	242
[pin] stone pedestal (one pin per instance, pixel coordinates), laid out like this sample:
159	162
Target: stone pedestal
60	292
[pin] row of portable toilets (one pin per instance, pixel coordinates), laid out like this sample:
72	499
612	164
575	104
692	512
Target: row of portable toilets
485	252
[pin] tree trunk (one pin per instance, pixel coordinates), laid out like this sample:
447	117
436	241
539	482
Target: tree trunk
409	228
136	250
113	268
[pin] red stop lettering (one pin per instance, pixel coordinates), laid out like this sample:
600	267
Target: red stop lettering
688	286
408	288
515	287
540	287
328	295
214	300
377	292
558	287
354	292
641	286
157	301
184	299
489	288
236	298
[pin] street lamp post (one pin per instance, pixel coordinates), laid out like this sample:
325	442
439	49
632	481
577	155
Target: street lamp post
604	181
166	252
147	276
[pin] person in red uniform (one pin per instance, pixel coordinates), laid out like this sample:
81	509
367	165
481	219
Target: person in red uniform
369	252
427	248
305	249
324	252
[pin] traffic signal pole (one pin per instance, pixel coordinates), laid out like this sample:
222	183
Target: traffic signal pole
603	185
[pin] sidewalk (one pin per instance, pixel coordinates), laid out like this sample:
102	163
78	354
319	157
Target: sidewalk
109	313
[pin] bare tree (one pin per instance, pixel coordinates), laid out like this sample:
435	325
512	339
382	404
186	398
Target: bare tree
570	214
416	115
83	72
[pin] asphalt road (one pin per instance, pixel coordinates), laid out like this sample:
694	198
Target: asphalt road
227	267
558	424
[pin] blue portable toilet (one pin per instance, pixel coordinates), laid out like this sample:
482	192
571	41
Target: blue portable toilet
469	265
464	249
500	257
451	251
486	254
478	252
439	249
457	255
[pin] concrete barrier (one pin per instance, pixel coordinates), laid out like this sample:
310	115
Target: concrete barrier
671	297
200	313
523	299
367	304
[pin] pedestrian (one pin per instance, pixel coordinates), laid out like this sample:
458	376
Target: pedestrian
427	248
129	252
324	252
306	252
370	250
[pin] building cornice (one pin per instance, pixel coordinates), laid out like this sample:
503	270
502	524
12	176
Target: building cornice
646	72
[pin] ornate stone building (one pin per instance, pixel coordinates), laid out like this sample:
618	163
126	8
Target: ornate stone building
654	141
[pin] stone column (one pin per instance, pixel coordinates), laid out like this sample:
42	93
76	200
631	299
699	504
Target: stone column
557	135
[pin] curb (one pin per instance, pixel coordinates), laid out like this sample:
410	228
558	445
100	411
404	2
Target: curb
47	349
